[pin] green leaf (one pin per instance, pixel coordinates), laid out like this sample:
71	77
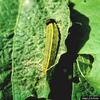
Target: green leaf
89	83
29	45
8	13
90	9
91	46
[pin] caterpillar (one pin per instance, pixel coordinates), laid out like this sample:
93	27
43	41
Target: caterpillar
51	44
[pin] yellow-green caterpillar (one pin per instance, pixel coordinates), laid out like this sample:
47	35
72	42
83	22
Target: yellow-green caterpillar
51	45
